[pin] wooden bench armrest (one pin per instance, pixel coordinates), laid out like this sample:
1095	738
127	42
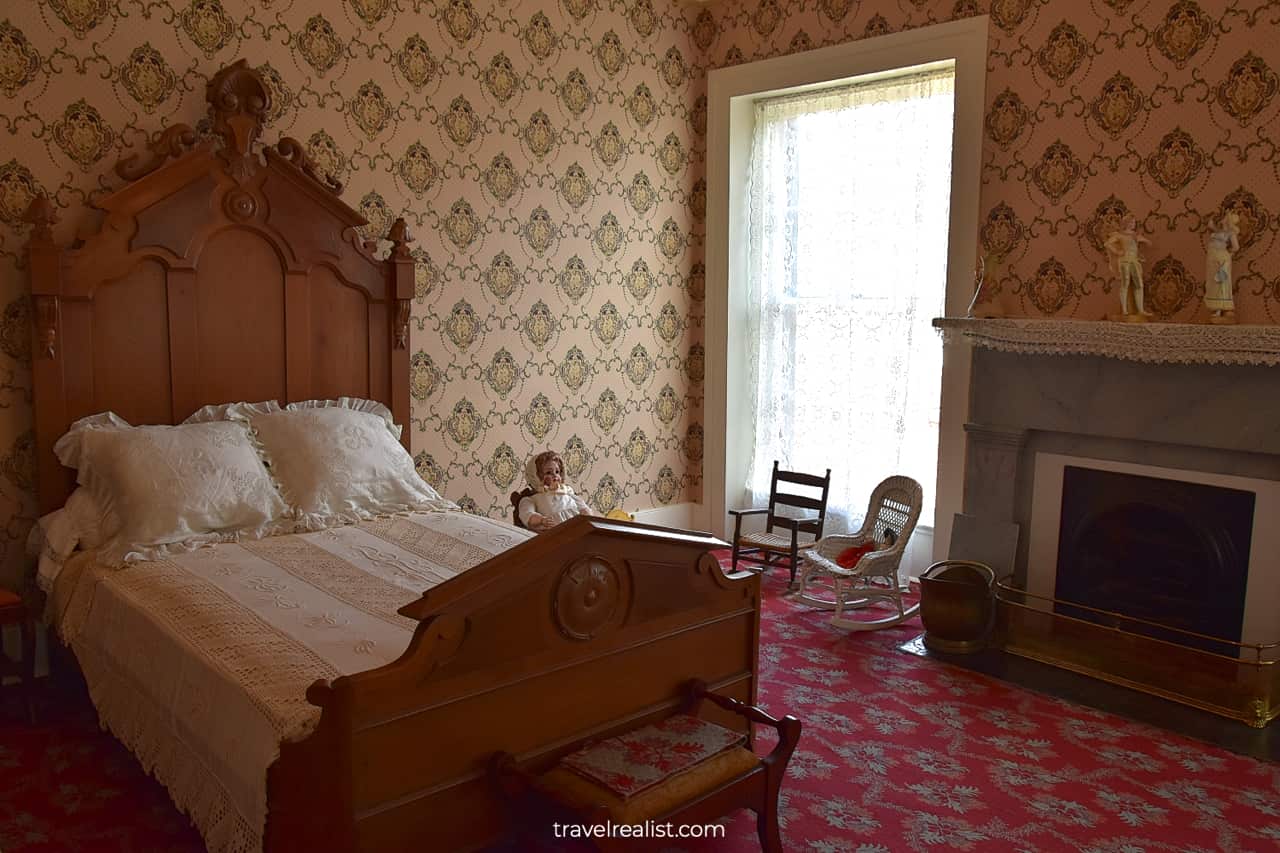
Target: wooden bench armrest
755	511
788	727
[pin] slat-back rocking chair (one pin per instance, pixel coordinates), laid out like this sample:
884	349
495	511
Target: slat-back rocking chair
769	549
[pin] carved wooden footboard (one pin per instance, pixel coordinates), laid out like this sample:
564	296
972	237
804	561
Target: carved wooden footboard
575	634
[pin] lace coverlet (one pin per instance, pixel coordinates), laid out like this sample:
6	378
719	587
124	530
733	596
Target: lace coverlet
200	662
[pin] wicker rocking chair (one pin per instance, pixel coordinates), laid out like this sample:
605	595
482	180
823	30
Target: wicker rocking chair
895	504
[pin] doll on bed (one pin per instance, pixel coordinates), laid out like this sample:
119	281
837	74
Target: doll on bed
552	501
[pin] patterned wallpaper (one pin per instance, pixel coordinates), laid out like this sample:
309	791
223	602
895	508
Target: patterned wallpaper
550	156
1165	109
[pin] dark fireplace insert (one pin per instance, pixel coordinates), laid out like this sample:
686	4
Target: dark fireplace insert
1167	551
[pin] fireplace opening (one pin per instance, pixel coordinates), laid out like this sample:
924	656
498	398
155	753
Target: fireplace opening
1167	551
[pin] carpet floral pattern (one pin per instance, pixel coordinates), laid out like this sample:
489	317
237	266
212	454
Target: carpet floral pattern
67	786
899	753
905	753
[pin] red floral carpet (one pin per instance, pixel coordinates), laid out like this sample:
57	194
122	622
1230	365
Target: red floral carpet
67	786
899	753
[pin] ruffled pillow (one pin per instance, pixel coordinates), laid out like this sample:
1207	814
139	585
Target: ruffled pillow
170	488
57	535
222	411
339	461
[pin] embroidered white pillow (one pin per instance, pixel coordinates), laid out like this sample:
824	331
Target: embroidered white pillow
167	488
339	462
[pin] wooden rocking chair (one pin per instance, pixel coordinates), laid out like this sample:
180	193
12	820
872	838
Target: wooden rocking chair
895	505
770	549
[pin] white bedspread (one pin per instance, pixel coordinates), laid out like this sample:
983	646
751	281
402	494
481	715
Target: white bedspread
200	663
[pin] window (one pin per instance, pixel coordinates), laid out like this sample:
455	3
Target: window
732	96
849	194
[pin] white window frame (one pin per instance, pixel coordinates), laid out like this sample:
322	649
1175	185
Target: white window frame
731	96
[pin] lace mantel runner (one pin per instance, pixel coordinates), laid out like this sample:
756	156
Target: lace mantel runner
1158	343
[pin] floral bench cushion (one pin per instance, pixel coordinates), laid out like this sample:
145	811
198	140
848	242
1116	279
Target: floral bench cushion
633	762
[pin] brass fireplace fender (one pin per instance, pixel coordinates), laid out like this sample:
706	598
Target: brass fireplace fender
1245	687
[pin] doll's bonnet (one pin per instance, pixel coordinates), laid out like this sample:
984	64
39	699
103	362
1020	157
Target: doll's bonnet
531	469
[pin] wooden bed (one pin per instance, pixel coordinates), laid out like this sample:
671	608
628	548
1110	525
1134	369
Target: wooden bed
230	270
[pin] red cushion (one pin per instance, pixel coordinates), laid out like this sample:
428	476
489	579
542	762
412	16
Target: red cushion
849	557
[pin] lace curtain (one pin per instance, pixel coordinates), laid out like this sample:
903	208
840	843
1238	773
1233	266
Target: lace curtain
850	194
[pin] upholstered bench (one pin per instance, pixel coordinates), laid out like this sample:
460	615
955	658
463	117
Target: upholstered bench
711	773
14	612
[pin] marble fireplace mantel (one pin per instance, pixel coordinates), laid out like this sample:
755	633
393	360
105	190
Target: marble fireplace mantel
1156	343
1189	403
1219	418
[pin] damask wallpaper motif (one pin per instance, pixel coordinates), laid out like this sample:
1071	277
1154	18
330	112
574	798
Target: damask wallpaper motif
550	156
542	153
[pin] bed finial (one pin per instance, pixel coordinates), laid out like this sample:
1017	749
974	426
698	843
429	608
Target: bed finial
239	101
400	238
42	217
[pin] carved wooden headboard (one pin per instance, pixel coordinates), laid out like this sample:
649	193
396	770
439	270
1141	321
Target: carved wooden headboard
230	272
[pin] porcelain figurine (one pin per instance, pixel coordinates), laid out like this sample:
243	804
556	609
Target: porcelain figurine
1122	246
1223	241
